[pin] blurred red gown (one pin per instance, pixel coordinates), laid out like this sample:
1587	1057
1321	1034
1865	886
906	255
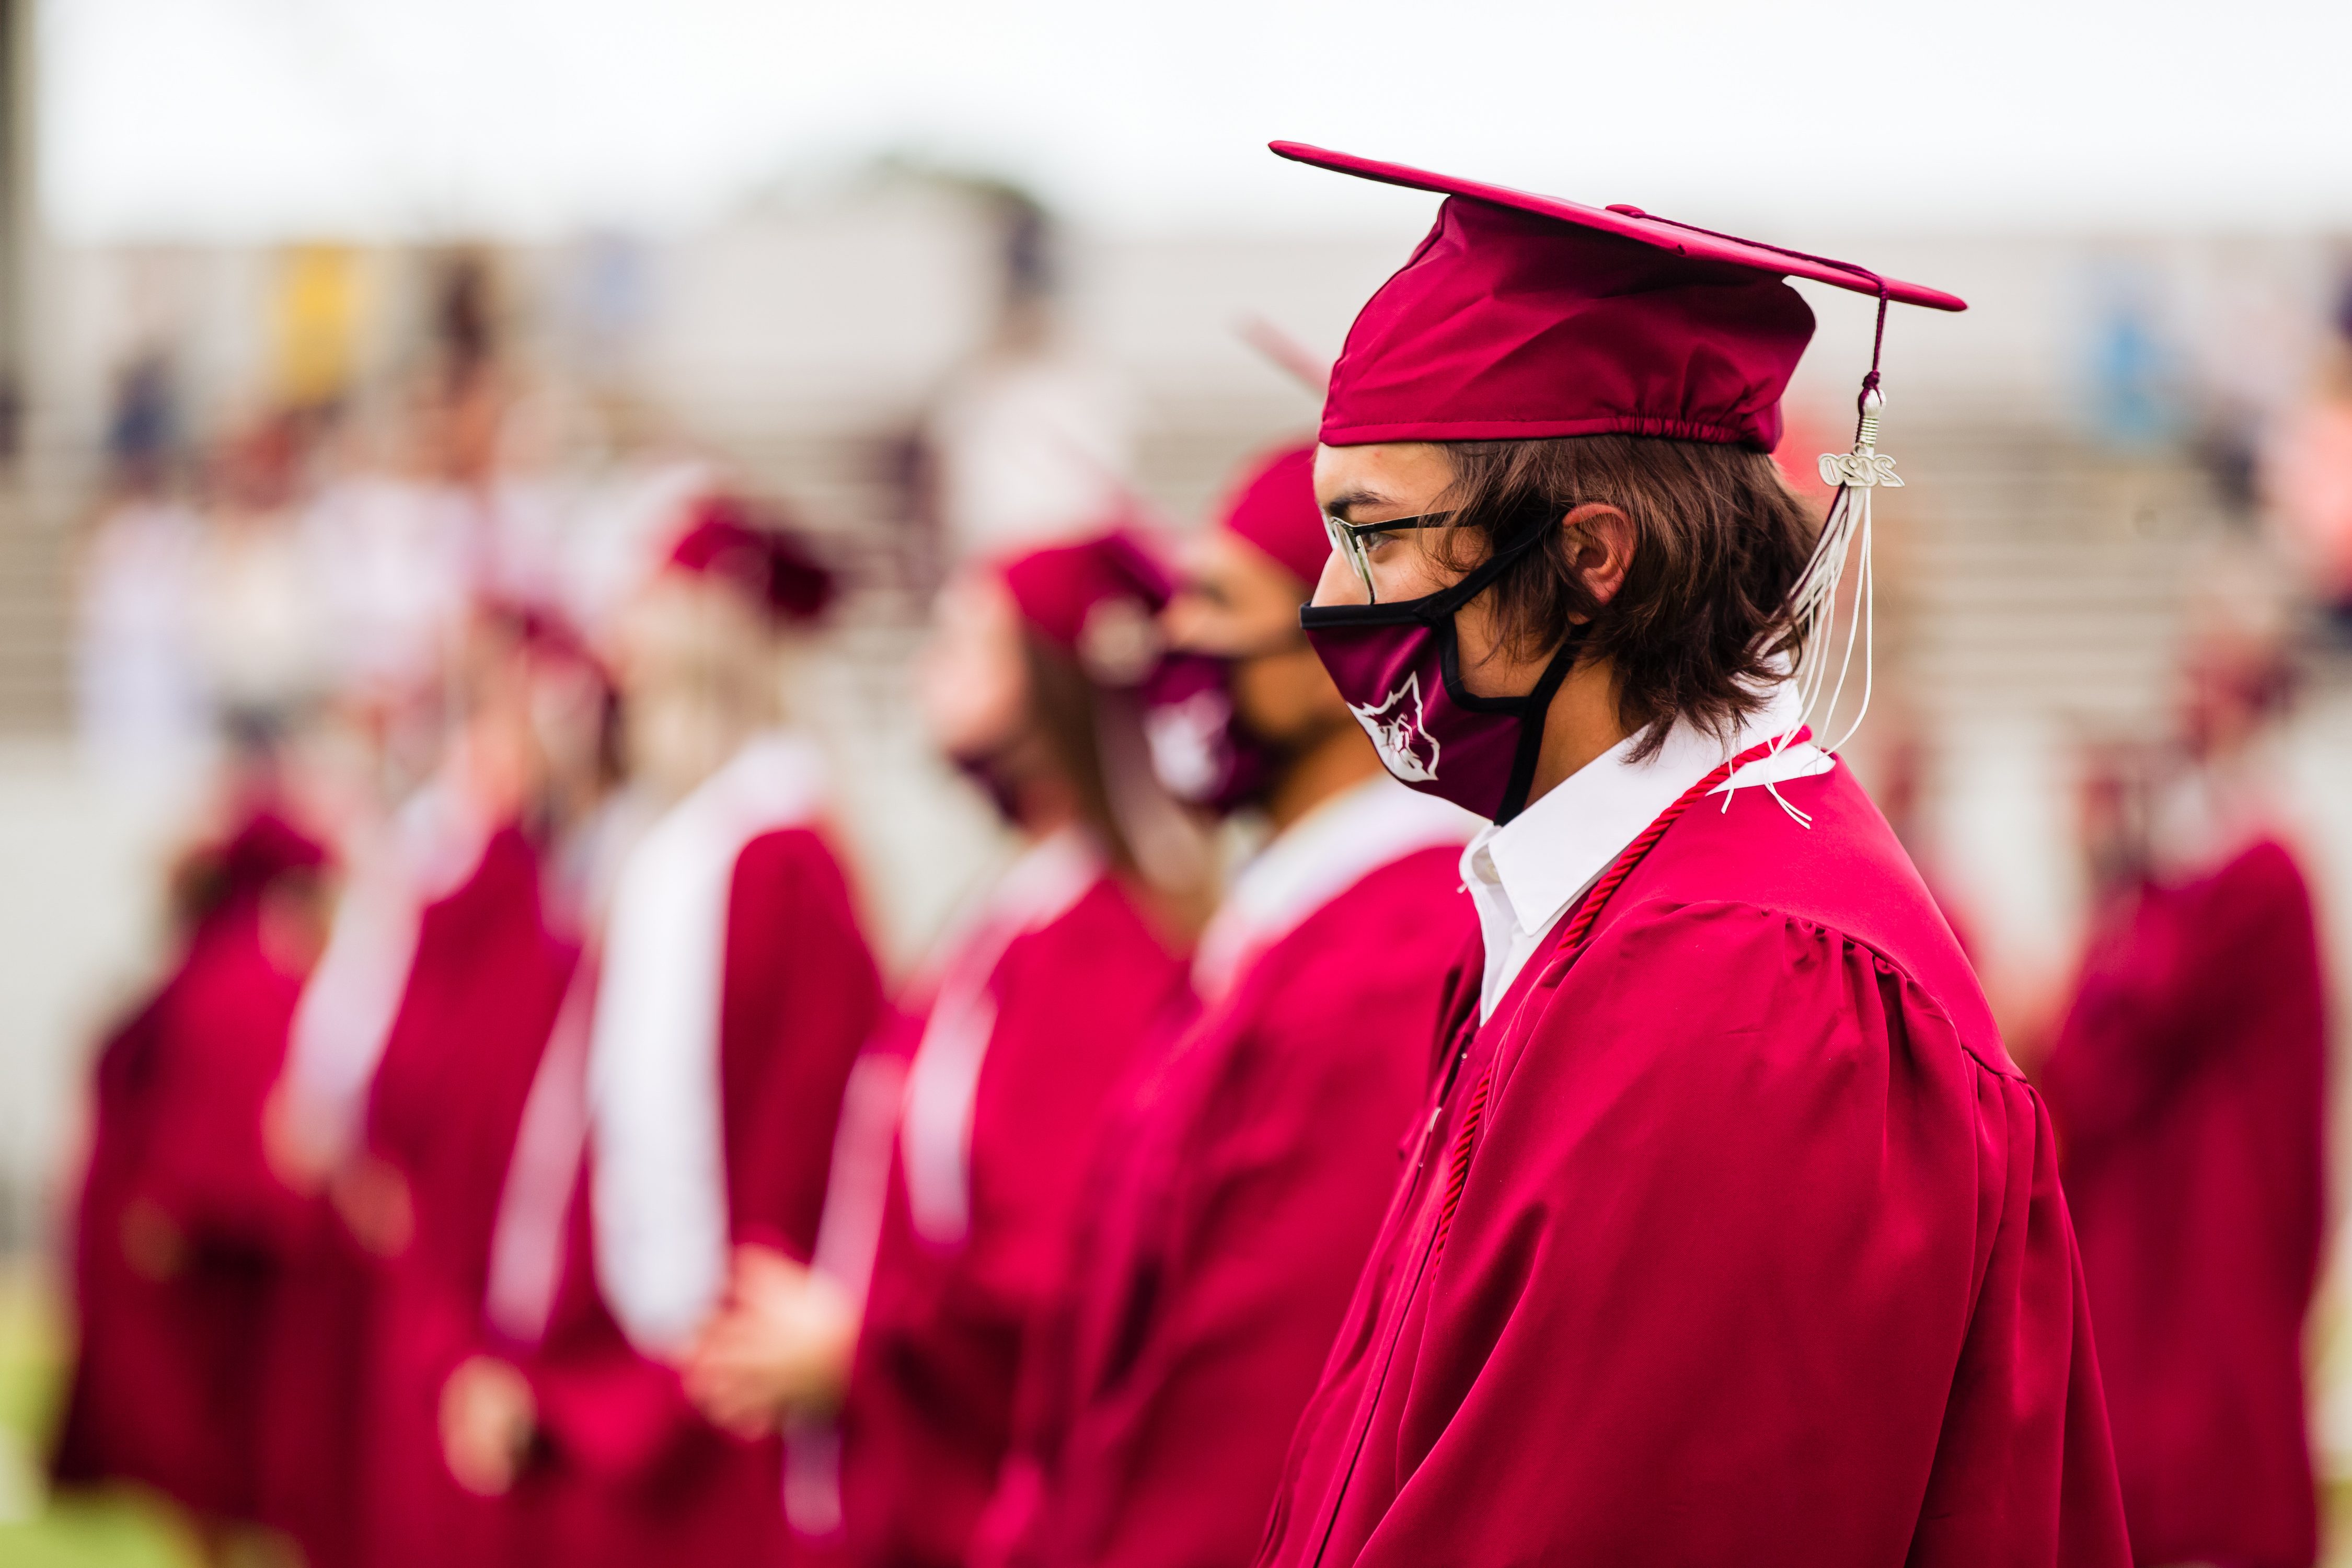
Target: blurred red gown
1084	983
1236	1190
442	1109
181	1224
628	1473
2189	1085
1735	1239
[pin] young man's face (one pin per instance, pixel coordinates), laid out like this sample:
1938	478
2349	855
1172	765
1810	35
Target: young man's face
1376	484
1400	479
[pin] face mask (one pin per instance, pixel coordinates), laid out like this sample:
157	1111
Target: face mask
1398	668
1201	752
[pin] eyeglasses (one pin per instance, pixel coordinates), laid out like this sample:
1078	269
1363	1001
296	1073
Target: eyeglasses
1348	539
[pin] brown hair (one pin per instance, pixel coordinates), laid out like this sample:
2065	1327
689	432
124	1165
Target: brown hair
1093	735
1696	629
1063	703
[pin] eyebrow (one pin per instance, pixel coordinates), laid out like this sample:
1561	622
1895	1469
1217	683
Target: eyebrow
1344	507
1205	586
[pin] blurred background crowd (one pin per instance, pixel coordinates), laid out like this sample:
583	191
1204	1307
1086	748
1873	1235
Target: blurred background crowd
262	467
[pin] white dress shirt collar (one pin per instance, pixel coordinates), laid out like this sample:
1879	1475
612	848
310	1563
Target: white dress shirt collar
1524	875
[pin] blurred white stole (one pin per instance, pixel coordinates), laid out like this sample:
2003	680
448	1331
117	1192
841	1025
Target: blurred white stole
432	847
943	1080
632	1071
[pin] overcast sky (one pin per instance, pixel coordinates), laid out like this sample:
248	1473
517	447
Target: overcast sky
266	118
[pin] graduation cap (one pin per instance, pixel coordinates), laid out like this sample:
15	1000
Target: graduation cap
1094	599
1523	316
771	564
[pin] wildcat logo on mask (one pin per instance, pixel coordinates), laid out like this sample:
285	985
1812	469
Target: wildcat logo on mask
1202	750
1188	741
1394	724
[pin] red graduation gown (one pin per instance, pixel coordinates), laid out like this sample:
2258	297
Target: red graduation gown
170	1346
630	1473
929	1419
2189	1088
313	1391
442	1107
1738	1239
1236	1191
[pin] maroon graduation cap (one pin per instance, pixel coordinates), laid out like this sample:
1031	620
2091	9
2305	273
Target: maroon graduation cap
1523	316
771	564
1095	598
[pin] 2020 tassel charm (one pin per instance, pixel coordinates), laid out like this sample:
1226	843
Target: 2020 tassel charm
1865	466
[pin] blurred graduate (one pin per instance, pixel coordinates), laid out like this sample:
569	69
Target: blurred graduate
680	1122
182	1229
1239	1176
415	1043
946	1245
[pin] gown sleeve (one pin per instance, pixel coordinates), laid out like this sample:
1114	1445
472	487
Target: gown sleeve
802	998
1757	1260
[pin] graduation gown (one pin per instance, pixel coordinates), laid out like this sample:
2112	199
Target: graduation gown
181	1228
1236	1191
447	1094
1080	983
314	1387
628	1472
422	927
1734	1236
2189	1088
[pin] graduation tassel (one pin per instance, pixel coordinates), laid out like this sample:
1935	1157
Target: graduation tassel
1813	604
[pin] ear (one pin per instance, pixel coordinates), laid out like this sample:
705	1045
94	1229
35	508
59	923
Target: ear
1600	547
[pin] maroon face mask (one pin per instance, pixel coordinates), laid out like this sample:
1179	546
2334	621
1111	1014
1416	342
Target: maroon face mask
1399	668
1202	750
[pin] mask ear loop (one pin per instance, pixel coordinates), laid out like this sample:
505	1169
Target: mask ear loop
1536	705
1531	725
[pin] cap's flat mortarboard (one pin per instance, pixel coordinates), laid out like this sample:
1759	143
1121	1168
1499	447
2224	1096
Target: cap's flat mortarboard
1523	316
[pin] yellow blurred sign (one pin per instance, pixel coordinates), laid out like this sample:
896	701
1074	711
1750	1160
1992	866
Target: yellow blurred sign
316	323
